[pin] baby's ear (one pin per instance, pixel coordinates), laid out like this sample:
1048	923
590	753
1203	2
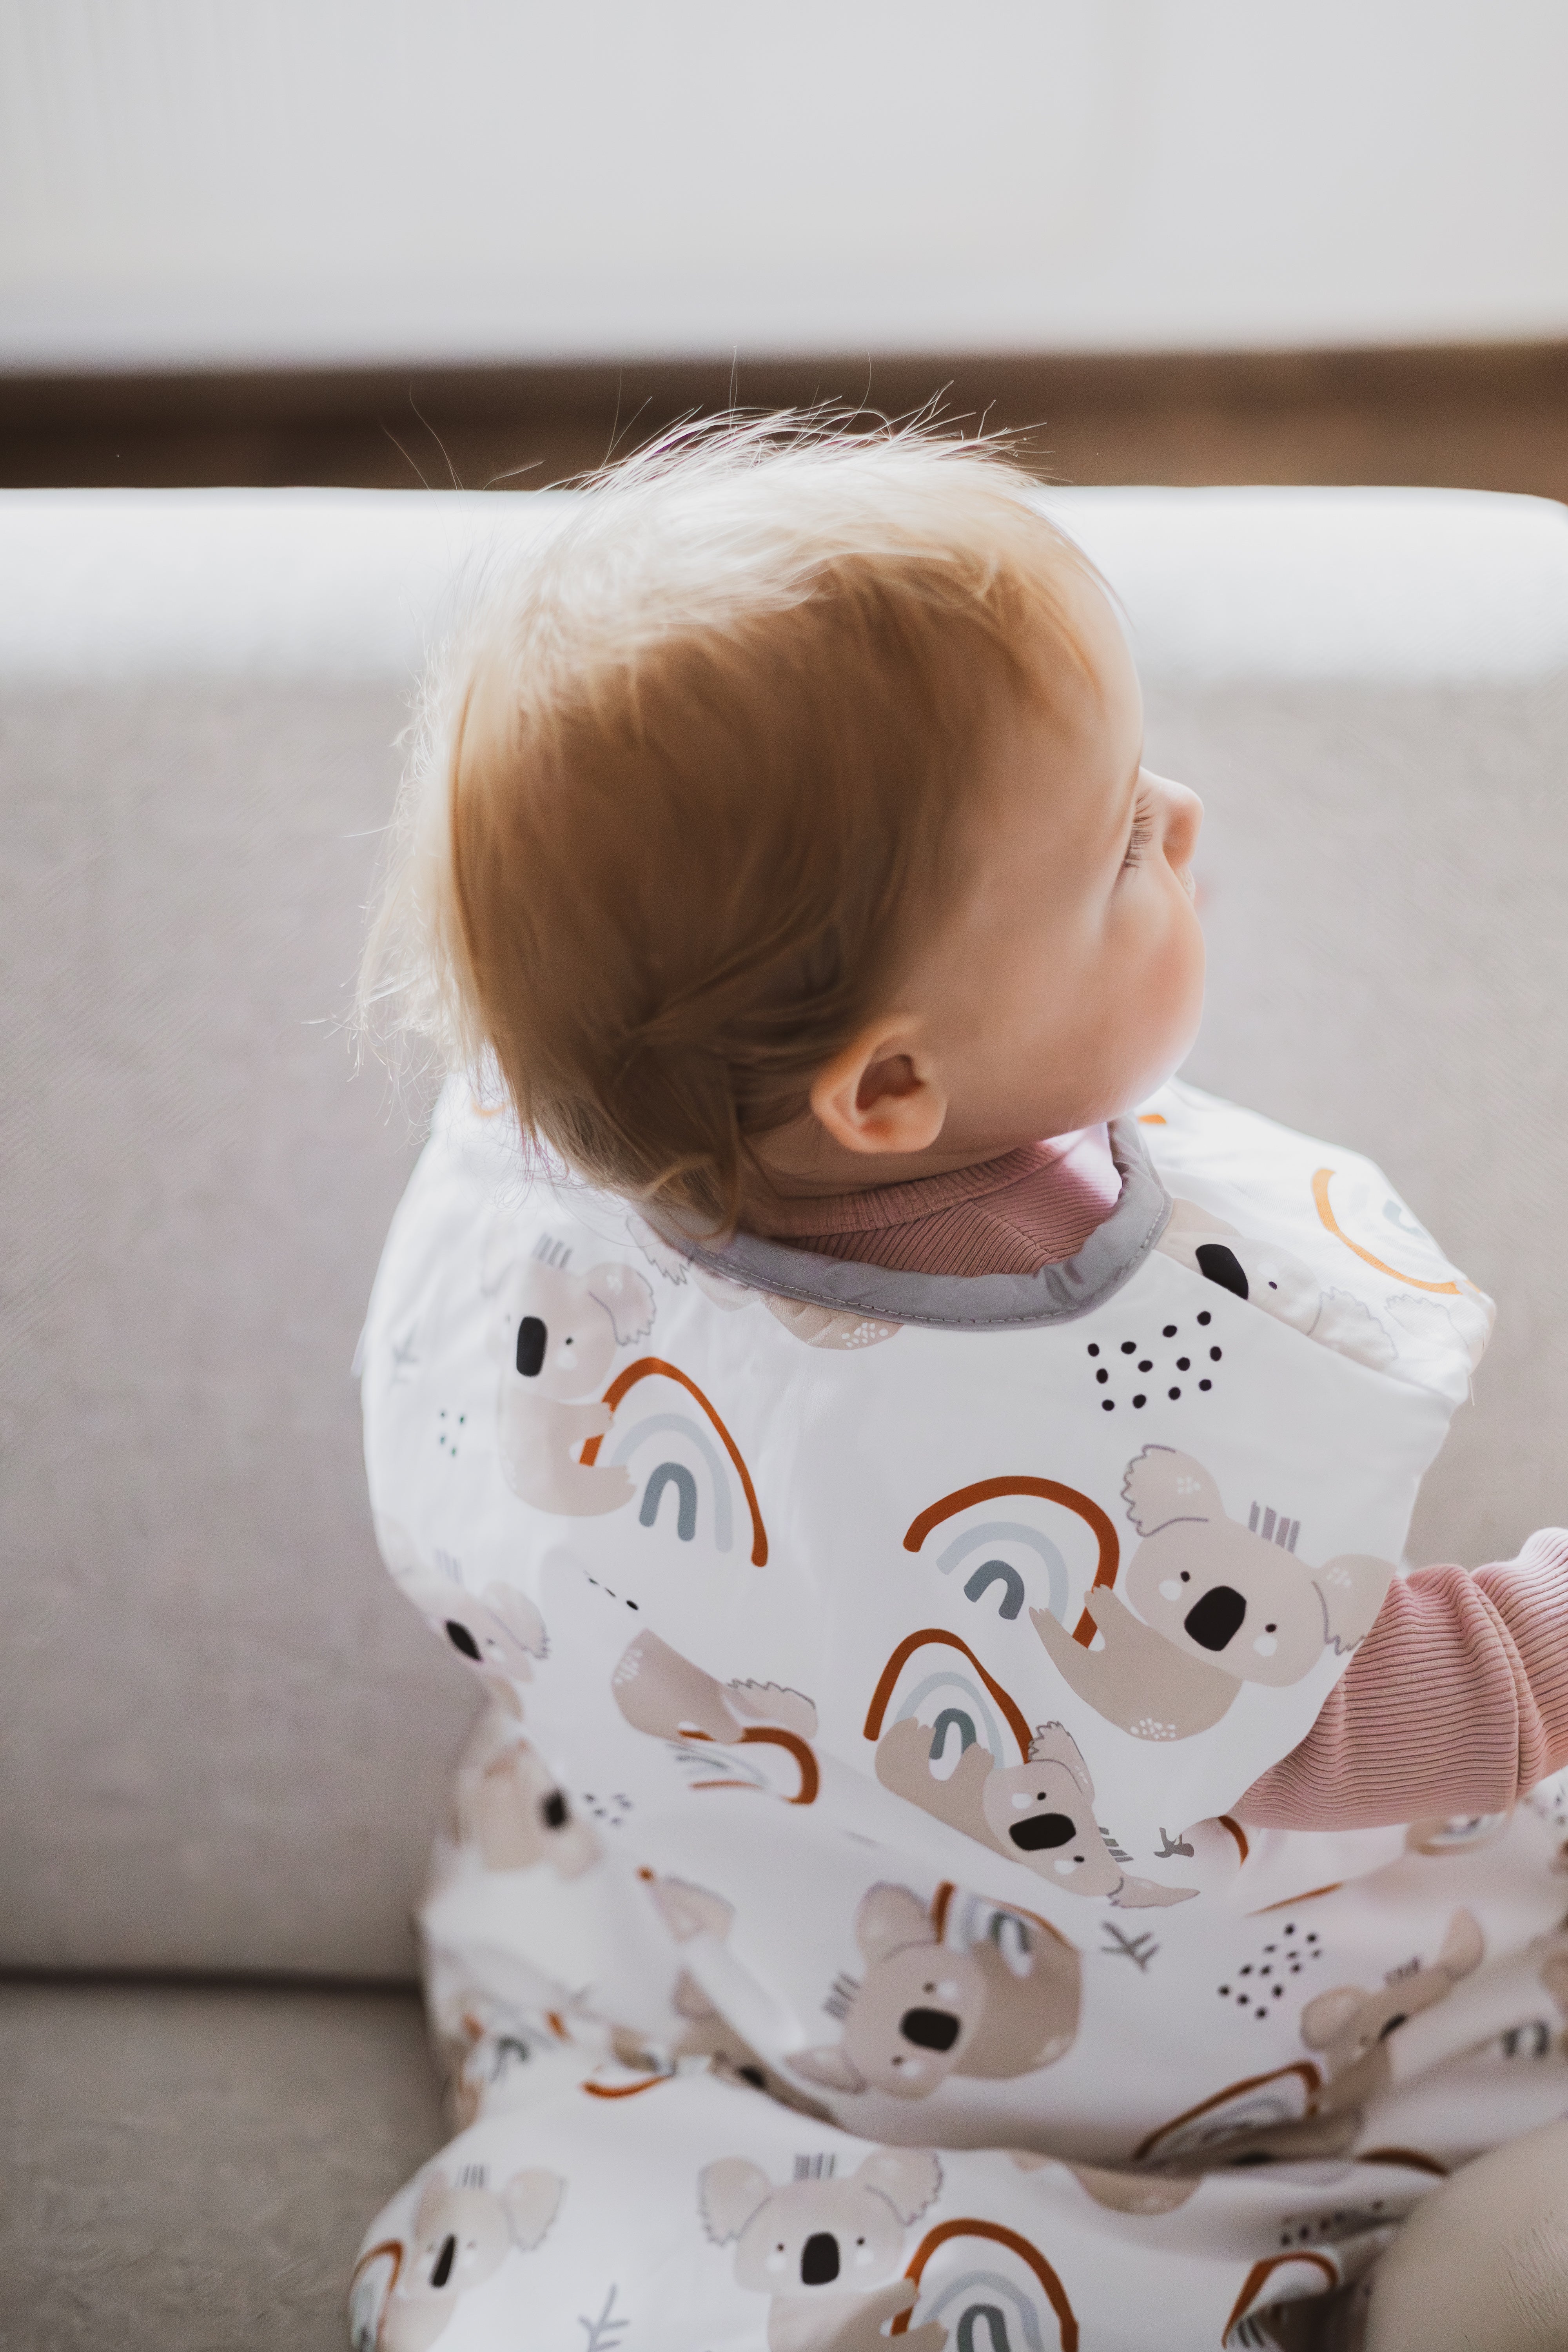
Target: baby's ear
1325	2018
829	2067
1162	1486
729	2193
533	2200
909	2177
887	1918
627	1299
1353	1590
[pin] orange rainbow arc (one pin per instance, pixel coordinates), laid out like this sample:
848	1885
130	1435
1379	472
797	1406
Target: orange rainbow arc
1258	2276
651	1367
1321	1182
1306	2073
1055	2293
773	1736
624	2090
1016	1722
1050	1490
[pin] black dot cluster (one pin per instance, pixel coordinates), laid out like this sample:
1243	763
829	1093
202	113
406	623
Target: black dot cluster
1137	1371
1342	2221
1261	1982
449	1427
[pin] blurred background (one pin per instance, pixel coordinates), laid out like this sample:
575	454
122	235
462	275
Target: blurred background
386	241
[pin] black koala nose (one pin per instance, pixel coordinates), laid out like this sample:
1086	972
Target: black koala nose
1393	2025
461	1638
1042	1831
552	1810
1216	1618
530	1339
929	2029
1222	1266
819	2259
444	2260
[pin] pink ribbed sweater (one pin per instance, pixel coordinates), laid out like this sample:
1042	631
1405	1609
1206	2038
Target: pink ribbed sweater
1456	1703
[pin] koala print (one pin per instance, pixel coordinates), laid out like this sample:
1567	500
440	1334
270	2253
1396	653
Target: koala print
511	1812
825	2251
499	1634
1352	2027
661	1693
559	1333
926	2010
1039	1813
459	2237
704	2030
1218	1604
1281	1284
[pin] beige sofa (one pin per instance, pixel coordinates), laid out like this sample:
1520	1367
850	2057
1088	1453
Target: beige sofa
224	1736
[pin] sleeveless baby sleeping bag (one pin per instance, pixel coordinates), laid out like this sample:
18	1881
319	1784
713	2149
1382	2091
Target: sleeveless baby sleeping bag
843	1921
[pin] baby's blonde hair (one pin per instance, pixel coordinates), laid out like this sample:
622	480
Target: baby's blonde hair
691	783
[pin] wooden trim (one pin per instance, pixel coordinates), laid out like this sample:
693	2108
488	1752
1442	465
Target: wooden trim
1488	416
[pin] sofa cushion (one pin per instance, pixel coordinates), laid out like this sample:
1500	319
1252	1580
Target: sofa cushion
191	2170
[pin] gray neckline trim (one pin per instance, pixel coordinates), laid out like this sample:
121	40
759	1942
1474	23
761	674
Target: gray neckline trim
956	1302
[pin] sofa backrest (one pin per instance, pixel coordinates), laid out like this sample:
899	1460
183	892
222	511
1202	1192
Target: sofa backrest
226	1737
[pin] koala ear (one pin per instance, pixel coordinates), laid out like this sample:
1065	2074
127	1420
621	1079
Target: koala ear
688	1911
1053	1743
1325	2018
432	2196
627	1299
909	2177
533	2199
887	1918
729	2193
1464	1946
1161	1485
1353	1590
830	2066
519	1615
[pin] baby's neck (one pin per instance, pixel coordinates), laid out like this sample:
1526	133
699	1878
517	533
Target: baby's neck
820	1170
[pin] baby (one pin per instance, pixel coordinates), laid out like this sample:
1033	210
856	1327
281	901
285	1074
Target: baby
970	1834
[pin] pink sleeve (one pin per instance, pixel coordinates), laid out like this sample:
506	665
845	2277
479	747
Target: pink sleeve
1456	1703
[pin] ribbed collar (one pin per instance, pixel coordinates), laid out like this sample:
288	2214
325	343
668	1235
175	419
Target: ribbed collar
904	1204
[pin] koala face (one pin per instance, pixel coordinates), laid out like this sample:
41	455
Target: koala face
1041	1814
517	1815
562	1341
1221	1593
818	2236
1353	2028
499	1634
461	2238
833	2234
916	2015
558	1331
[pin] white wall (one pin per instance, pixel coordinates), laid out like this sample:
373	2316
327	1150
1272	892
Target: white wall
185	182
